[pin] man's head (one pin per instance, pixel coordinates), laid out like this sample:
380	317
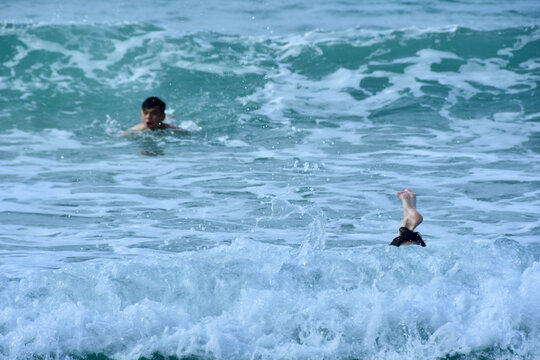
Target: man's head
153	113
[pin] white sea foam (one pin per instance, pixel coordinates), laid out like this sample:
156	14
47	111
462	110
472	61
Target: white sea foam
48	139
232	143
190	126
91	65
267	301
328	96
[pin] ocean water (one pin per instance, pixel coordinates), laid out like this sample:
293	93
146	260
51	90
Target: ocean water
263	234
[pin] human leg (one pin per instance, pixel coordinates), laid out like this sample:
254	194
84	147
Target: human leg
411	219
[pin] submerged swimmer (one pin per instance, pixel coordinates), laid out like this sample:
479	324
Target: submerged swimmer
411	219
153	117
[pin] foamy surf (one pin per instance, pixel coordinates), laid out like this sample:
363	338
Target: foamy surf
249	300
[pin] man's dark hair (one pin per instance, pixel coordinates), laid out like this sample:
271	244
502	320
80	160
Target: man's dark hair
153	101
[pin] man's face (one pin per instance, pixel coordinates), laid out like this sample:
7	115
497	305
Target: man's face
152	118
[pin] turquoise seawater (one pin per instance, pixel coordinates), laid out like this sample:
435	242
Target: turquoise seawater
263	234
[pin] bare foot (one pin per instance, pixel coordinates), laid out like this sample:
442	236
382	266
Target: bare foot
411	217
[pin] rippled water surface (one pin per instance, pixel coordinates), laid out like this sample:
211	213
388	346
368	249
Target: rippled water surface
263	234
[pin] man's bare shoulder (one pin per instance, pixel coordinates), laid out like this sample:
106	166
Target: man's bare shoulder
133	130
138	127
164	126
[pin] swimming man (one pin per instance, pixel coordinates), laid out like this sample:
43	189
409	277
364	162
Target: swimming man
153	117
411	219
